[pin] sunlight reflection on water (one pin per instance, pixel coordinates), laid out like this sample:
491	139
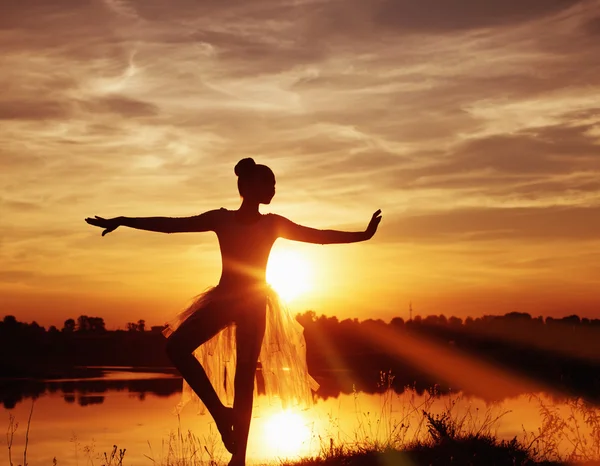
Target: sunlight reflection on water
143	423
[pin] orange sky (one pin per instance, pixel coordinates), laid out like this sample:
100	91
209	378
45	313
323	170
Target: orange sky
473	125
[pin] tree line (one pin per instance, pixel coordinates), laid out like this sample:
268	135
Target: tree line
83	323
562	352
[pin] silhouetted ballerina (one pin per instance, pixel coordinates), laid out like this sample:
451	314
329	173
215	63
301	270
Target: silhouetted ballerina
202	345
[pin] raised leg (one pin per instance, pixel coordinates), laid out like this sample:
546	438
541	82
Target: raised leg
195	331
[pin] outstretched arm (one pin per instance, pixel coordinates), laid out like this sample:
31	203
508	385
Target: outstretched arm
290	230
203	222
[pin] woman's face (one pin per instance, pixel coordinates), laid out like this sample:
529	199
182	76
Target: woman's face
264	185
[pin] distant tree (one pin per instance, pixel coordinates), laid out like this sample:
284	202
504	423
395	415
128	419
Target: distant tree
434	320
324	320
430	320
83	324
306	318
69	326
10	321
374	323
572	319
518	316
347	322
397	322
96	324
141	325
455	321
132	327
35	327
52	329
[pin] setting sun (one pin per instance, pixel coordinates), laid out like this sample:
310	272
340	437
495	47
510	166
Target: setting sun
288	272
287	432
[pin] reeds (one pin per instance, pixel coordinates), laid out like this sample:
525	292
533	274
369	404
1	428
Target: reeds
560	436
10	436
187	449
413	431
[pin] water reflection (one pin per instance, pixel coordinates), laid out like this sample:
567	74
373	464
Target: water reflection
164	384
87	391
77	420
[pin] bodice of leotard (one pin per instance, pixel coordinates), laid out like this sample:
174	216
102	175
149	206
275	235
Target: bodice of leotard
245	249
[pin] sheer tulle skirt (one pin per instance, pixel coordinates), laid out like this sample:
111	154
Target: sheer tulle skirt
283	376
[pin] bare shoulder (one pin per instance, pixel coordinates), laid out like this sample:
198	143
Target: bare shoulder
276	220
213	219
276	217
215	213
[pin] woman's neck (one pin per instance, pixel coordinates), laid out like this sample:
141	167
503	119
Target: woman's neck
248	210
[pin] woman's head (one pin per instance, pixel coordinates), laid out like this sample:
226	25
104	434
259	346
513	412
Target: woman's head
255	182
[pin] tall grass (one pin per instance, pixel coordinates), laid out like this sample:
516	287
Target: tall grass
403	421
114	458
184	448
411	429
560	437
13	425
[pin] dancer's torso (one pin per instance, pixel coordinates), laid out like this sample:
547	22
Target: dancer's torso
245	249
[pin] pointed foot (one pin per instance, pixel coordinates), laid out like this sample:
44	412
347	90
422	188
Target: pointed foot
225	427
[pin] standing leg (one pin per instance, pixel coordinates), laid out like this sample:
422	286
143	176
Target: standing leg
195	331
250	331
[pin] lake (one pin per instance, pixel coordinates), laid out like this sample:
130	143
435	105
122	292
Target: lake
77	420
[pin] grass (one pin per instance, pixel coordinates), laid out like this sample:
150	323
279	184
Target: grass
446	442
187	449
10	436
560	436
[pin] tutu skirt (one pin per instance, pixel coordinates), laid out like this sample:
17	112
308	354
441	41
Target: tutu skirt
283	372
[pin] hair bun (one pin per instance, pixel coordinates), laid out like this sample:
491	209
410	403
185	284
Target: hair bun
245	166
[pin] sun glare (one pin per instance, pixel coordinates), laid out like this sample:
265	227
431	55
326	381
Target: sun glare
288	272
286	433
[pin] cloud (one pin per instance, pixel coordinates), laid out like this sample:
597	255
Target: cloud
19	206
15	276
28	110
505	224
548	150
593	26
52	281
442	16
462	120
122	106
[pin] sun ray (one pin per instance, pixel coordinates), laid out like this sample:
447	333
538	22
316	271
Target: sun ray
456	368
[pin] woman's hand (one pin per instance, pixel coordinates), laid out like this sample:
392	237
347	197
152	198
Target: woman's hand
109	224
373	224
